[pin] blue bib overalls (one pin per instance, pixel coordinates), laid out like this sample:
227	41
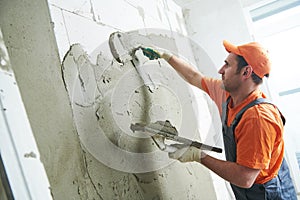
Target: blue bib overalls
280	187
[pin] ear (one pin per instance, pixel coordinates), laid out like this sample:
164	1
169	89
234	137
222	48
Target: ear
247	71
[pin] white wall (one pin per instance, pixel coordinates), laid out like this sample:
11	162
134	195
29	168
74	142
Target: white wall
210	22
91	22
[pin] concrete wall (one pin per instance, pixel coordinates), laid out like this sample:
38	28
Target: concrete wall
55	73
28	35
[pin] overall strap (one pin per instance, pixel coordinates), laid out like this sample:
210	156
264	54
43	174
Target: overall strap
224	111
253	103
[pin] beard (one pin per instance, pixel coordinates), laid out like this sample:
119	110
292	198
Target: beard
224	87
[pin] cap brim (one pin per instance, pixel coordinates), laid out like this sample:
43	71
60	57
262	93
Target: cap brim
230	48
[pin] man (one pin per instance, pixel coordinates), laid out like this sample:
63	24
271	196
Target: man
252	127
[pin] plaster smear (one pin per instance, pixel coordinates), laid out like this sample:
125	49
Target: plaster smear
106	98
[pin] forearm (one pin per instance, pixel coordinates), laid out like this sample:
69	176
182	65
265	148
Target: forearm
190	74
234	173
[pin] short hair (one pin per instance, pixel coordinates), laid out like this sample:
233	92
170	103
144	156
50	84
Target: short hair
241	64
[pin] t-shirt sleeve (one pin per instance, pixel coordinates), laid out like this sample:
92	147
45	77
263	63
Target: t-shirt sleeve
213	87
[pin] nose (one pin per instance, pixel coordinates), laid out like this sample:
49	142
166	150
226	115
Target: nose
221	70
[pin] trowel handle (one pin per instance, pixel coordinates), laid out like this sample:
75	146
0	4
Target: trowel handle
194	143
206	147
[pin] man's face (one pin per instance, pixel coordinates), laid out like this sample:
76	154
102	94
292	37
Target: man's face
231	79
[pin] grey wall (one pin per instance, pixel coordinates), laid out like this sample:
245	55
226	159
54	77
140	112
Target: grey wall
28	34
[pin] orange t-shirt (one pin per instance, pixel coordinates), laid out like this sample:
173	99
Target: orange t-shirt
258	135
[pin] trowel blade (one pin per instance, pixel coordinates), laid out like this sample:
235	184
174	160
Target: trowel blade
120	47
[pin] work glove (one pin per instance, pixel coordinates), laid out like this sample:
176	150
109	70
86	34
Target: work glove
185	153
153	54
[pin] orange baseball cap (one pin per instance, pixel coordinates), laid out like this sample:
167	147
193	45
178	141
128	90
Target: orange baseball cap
254	54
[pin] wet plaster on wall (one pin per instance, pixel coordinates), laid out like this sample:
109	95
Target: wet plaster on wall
105	182
106	98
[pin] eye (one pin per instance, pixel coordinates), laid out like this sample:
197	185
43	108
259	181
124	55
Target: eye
226	64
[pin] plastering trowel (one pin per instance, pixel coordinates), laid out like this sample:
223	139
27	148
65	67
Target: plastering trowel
162	130
124	49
